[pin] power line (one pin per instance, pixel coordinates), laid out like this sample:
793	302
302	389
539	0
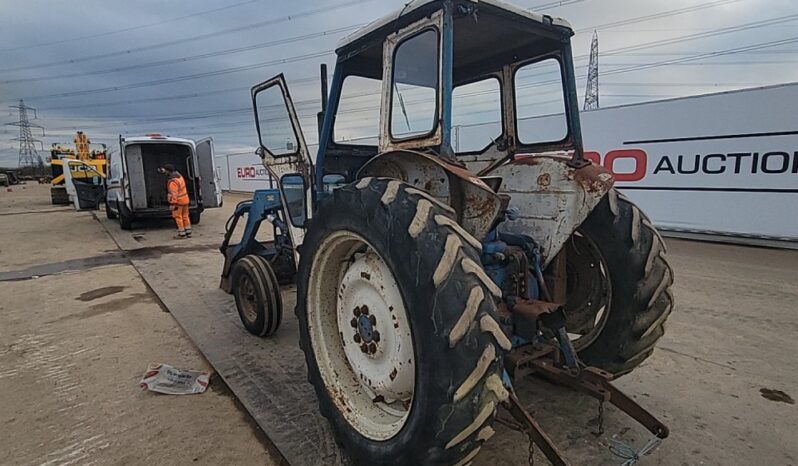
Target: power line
206	74
637	19
543	83
128	29
653	16
209	35
201	56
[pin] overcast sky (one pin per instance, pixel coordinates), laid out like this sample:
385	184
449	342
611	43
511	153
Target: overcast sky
184	67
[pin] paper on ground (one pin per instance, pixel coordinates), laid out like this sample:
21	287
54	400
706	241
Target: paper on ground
163	378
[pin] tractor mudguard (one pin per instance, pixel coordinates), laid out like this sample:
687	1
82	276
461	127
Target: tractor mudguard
552	197
476	205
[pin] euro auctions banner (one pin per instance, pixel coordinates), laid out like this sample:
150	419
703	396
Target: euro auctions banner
721	163
242	172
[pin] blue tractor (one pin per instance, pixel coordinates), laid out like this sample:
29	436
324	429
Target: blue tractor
446	257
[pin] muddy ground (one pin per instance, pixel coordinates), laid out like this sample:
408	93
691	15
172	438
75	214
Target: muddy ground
723	378
75	338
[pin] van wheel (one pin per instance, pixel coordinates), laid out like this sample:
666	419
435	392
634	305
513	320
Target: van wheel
125	217
110	214
194	217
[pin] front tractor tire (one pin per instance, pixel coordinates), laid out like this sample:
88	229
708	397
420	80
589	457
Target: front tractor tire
257	295
398	325
619	286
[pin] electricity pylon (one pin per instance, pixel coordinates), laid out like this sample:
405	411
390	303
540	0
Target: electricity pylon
592	90
29	158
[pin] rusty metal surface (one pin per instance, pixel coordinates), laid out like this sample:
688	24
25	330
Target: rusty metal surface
477	206
591	381
535	432
532	308
541	359
552	198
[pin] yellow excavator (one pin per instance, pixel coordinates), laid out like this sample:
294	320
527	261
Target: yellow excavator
93	156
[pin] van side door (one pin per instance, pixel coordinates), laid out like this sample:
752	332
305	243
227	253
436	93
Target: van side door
209	185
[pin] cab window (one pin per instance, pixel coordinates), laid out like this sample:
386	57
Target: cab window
357	120
540	103
476	115
414	86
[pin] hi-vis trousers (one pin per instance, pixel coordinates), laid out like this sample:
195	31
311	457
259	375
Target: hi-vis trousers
180	214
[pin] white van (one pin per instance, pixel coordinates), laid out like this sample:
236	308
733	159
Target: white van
136	190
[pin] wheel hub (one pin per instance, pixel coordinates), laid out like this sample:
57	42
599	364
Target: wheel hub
249	303
366	335
361	336
377	351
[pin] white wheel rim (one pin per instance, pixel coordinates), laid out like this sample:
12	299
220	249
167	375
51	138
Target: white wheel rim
360	335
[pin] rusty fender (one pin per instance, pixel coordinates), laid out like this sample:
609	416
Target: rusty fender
552	198
475	204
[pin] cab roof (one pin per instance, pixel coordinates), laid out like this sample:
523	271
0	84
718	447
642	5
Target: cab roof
417	9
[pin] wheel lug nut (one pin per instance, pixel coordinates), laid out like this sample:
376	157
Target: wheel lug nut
357	311
373	320
353	322
376	336
364	348
365	309
372	348
357	338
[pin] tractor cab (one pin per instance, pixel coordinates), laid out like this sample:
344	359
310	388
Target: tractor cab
443	68
458	87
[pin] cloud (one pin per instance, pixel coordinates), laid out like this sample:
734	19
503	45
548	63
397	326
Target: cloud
138	110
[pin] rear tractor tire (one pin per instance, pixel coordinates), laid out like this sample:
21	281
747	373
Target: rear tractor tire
619	286
398	324
257	295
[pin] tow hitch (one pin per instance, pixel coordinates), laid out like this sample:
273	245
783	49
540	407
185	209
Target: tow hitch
546	360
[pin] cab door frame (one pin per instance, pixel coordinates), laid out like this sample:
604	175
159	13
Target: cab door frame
288	164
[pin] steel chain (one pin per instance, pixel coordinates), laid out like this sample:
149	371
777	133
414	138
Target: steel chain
600	418
531	450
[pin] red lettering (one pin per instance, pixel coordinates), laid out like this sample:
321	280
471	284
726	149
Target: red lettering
640	158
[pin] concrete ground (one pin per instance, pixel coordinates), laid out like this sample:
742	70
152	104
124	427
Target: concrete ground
723	378
75	338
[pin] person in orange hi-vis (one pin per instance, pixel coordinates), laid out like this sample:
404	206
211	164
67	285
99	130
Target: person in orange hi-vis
177	195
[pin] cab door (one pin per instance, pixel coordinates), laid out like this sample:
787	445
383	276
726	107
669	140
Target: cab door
284	152
209	185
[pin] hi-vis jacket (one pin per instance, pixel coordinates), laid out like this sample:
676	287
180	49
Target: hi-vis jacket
177	194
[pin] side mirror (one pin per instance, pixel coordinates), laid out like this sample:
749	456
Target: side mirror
294	191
